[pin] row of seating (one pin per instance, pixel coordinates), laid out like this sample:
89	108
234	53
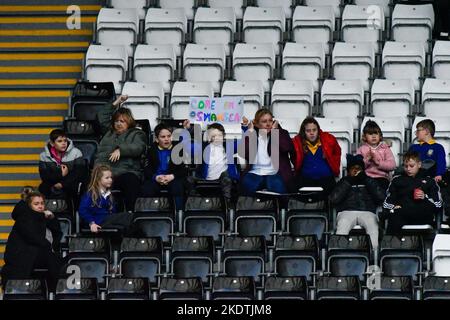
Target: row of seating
235	288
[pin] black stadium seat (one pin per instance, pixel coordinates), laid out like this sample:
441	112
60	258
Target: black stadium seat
399	288
181	289
334	288
27	289
77	289
233	288
436	288
89	97
128	289
286	288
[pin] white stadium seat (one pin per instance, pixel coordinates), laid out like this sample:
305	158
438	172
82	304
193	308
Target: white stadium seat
303	62
118	27
139	5
441	60
404	61
254	62
285	4
292	125
107	63
166	26
441	255
237	5
264	25
393	131
353	61
251	91
384	4
413	23
187	5
313	25
436	98
204	63
182	92
363	24
392	98
342	99
145	100
292	98
215	26
334	4
155	63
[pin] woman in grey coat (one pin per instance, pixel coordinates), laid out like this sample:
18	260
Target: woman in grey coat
122	148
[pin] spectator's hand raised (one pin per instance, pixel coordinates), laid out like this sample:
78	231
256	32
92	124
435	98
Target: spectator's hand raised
115	156
186	124
245	121
121	99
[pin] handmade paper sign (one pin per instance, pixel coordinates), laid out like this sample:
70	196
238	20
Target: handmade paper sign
224	110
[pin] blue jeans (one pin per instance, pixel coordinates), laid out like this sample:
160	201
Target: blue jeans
252	182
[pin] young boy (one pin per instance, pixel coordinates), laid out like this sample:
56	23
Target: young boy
61	167
428	149
356	197
218	164
160	171
413	197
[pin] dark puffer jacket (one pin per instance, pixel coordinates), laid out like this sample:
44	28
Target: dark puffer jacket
360	193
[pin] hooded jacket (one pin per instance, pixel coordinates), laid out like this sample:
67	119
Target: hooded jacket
384	157
50	170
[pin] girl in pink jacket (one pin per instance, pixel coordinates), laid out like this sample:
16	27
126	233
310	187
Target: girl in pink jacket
378	157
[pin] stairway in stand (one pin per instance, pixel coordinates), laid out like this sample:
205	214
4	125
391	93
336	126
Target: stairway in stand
42	46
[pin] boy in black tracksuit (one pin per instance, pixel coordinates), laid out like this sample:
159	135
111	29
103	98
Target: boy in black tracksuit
412	198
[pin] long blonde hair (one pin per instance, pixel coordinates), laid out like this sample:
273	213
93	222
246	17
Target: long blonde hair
94	184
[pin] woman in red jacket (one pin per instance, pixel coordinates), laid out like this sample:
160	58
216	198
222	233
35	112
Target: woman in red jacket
318	157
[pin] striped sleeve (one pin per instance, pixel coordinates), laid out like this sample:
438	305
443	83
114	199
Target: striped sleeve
391	195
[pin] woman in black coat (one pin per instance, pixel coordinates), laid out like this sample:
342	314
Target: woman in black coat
27	247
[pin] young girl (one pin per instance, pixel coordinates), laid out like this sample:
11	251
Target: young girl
97	208
27	247
317	157
378	157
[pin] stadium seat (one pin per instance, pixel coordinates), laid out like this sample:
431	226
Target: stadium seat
81	129
292	97
118	27
88	148
341	128
193	257
393	131
187	5
181	94
393	288
441	60
335	4
141	258
349	255
64	213
413	23
92	256
254	62
145	100
296	256
155	63
205	217
256	217
166	26
181	289
286	288
128	289
237	5
26	289
352	61
442	134
337	288
233	288
292	125
313	25
106	62
403	60
402	256
251	91
245	257
264	25
384	4
155	217
363	24
436	98
80	289
441	255
285	4
304	61
215	26
343	99
204	63
139	5
89	97
393	98
436	288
